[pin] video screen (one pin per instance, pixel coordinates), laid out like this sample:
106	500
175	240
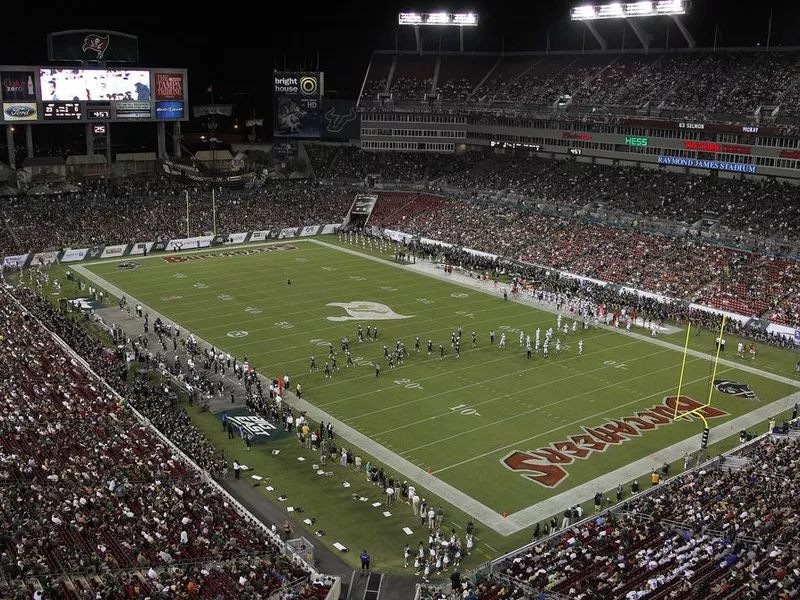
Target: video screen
60	85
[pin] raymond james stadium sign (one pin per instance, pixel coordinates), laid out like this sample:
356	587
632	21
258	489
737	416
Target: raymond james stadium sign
545	466
716	165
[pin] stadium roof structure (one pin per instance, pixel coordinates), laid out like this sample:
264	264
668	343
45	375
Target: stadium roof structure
438	19
632	12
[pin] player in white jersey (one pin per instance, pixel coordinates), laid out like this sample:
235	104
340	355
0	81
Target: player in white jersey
546	348
558	322
502	340
548	334
566	329
740	350
538	334
580	347
558	346
528	341
596	321
574	326
521	338
537	345
628	324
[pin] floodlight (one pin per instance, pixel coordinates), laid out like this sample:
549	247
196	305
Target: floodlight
410	19
618	10
441	19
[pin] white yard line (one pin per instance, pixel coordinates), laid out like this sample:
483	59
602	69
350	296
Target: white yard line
574	423
479	511
495	398
425	268
517	415
437	376
527	517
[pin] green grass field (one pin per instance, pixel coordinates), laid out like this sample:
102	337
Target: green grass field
458	416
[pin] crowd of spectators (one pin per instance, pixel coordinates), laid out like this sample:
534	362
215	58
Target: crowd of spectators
602	298
712	533
93	503
661	195
140	210
724	81
355	164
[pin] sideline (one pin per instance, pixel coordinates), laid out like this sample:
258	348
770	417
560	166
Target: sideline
526	517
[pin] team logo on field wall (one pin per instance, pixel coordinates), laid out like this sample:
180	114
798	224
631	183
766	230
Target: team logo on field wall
362	311
545	466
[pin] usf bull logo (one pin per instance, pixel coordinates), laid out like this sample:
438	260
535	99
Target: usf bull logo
337	121
365	311
96	43
734	388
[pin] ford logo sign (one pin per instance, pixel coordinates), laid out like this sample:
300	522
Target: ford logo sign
16	111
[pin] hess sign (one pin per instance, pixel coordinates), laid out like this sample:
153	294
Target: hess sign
637	141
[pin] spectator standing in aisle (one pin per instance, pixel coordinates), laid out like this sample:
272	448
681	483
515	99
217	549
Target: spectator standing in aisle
365	561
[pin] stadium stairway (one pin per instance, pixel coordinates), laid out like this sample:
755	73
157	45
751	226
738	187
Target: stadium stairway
10	231
734	463
369	585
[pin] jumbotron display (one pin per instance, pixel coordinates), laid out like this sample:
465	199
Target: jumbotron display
55	94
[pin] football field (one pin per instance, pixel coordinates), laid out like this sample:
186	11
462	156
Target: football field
504	430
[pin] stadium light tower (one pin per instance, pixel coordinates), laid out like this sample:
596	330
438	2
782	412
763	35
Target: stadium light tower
440	19
632	12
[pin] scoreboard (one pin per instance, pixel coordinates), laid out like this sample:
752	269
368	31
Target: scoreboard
60	95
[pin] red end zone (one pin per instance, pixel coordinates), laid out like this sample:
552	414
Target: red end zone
229	253
543	466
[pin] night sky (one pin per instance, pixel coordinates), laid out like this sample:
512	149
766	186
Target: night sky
236	46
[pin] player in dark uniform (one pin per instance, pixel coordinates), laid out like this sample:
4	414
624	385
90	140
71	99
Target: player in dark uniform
474	339
369	332
375	333
349	359
430	347
360	334
416	344
491	336
327	370
441	352
313	365
458	349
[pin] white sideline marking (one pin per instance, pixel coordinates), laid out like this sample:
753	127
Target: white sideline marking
492	519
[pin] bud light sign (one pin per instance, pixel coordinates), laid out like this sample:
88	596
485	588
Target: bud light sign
169	110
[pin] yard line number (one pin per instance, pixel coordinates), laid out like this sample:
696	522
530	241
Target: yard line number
464	410
615	364
408	384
